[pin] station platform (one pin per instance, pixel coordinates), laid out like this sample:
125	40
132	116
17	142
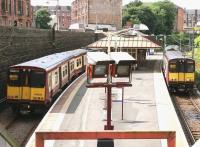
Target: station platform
147	107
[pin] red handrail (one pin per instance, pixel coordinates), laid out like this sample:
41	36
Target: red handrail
169	135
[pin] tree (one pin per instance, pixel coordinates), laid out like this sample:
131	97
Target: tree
42	18
165	12
137	13
159	16
197	42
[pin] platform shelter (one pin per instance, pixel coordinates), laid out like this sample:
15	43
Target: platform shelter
133	42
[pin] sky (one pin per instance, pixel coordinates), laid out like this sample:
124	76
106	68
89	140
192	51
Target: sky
188	4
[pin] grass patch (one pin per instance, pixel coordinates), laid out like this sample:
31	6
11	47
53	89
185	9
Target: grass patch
197	65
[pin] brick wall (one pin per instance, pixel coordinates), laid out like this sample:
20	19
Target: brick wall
19	45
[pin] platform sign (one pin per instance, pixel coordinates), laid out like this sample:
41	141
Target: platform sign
123	64
98	65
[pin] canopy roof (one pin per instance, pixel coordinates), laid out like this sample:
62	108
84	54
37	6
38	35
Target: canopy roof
138	41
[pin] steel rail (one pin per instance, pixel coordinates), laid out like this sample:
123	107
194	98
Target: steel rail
184	122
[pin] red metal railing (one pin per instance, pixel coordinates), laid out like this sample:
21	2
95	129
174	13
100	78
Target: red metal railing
169	135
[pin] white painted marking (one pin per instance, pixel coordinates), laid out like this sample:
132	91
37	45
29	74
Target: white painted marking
55	127
84	116
31	141
167	119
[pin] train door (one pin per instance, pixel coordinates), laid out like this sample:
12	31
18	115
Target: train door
181	70
190	70
25	84
37	84
172	71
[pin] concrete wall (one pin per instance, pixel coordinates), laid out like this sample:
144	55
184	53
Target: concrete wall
19	45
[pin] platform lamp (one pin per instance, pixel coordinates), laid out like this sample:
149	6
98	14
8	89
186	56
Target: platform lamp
98	66
122	70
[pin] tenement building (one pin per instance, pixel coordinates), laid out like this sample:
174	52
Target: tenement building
192	16
63	15
97	12
15	13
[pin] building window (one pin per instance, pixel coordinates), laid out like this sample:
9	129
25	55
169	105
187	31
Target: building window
9	7
15	8
28	8
4	6
20	7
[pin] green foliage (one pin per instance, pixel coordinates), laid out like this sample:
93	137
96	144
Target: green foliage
197	65
197	78
165	12
197	41
138	13
42	18
159	16
177	38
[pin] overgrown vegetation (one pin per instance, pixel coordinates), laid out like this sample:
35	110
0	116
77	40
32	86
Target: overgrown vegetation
158	16
197	65
42	18
197	60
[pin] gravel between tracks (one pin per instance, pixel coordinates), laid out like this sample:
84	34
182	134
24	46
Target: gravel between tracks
19	127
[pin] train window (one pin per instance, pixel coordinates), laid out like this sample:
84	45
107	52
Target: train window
49	81
56	77
190	67
13	79
72	66
63	73
77	63
24	78
66	70
172	67
181	67
37	79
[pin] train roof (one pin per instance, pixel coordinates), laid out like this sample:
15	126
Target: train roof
50	61
172	47
121	56
174	54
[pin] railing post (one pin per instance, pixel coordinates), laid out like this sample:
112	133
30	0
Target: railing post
171	141
39	140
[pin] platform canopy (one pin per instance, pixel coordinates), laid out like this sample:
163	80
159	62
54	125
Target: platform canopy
137	40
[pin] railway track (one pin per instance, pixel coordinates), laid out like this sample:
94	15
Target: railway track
188	107
22	126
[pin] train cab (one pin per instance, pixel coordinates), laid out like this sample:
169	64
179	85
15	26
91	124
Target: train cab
25	84
179	70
